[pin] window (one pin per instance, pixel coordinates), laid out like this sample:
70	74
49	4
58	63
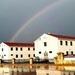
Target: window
71	52
66	43
4	55
61	43
21	56
11	49
45	43
39	52
71	43
16	49
21	49
2	49
67	52
33	48
28	55
11	54
16	56
28	49
33	55
50	51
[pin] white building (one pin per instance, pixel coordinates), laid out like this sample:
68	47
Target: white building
48	45
9	50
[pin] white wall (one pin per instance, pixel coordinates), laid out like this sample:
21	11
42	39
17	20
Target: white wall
63	48
70	58
52	45
4	52
7	51
24	52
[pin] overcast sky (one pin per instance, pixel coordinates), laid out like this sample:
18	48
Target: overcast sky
58	19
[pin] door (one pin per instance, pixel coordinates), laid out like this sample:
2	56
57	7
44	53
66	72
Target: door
45	55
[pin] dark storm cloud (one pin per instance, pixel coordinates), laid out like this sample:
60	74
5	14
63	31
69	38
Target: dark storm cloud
59	19
14	13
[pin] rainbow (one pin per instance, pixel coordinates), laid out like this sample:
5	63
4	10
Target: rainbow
32	18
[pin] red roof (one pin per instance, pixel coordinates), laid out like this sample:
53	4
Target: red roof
62	36
19	44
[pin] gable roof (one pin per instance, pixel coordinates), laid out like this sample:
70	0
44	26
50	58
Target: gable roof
62	36
19	44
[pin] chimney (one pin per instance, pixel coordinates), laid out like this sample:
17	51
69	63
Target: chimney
49	32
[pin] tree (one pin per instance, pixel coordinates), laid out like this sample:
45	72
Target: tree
37	58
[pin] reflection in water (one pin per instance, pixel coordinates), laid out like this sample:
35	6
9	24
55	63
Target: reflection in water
12	73
59	70
17	70
37	70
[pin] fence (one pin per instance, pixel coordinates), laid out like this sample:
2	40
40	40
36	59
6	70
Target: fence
43	61
27	60
6	60
16	60
21	60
